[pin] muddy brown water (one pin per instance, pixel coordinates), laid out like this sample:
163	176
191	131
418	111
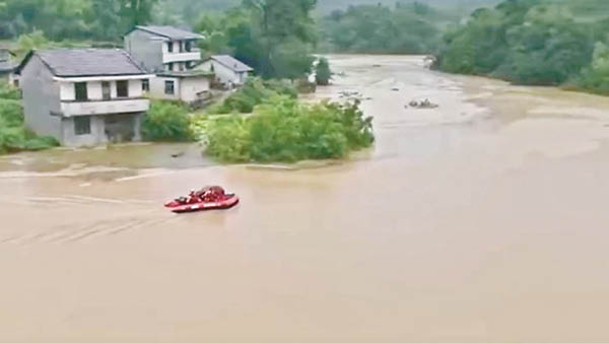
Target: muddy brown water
482	220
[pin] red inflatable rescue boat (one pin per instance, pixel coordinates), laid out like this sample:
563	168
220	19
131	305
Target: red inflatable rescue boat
208	198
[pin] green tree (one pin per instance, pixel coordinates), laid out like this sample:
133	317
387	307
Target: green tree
322	72
167	121
136	12
279	26
596	77
282	129
405	29
524	41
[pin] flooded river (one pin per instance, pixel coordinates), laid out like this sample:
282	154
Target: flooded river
482	220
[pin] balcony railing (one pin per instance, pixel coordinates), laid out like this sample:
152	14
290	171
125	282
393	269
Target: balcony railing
101	107
185	56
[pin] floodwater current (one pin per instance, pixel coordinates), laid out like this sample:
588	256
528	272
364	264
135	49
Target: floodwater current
484	219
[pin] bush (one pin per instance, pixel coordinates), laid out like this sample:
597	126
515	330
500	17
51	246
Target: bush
11	111
254	92
283	130
17	138
167	121
9	92
14	137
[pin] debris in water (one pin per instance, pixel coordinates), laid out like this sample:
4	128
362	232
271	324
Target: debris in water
177	155
425	104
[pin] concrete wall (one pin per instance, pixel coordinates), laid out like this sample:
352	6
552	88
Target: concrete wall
186	88
157	88
40	99
191	87
96	137
146	48
99	129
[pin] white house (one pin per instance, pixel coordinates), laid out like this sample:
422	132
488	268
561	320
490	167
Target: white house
171	54
84	97
227	69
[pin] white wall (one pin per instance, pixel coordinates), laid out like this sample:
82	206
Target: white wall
190	87
186	89
157	88
135	88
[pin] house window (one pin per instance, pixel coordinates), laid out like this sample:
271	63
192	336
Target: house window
16	83
82	125
146	85
170	67
80	89
122	88
106	90
188	46
169	87
170	47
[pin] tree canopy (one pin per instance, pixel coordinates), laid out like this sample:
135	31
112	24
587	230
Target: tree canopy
532	42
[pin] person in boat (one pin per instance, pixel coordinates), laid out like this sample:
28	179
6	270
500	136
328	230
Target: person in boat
213	194
194	196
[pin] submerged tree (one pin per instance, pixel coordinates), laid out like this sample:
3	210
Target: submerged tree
322	72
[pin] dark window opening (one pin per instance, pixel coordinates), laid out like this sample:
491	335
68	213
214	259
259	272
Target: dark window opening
80	89
169	87
82	125
170	67
146	85
170	47
106	90
188	46
122	88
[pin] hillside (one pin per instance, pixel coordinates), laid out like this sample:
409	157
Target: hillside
326	6
190	10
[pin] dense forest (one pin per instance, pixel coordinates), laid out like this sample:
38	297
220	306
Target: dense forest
534	42
188	11
540	42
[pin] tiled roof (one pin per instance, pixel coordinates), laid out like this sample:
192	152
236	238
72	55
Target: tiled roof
170	32
232	63
90	62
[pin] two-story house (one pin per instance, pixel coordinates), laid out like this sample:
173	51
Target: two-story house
171	54
84	97
6	66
